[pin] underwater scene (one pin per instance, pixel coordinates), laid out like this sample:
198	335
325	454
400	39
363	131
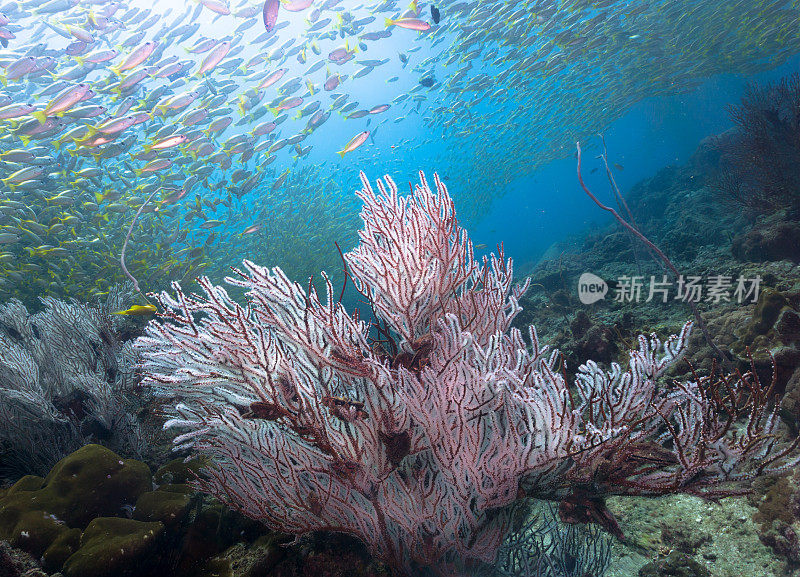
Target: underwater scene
379	288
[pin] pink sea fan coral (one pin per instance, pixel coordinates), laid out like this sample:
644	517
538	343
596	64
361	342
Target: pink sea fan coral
417	431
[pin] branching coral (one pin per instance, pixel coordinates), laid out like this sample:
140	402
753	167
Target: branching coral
419	431
761	159
66	376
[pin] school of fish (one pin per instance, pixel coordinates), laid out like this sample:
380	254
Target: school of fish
245	122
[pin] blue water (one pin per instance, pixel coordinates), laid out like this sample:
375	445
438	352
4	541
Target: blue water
549	205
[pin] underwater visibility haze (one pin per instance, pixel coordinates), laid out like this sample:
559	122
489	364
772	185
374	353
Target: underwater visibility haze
340	287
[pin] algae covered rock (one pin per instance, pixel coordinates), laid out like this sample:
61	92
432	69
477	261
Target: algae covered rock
33	531
179	471
171	508
40	516
115	547
26	483
64	545
93	482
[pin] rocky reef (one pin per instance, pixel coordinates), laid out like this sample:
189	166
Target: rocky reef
684	212
99	515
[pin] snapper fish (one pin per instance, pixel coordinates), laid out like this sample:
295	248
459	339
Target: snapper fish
409	24
270	14
354	143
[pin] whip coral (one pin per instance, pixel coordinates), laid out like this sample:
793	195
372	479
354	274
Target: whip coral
417	431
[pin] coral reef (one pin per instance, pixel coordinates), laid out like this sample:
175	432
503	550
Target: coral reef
761	158
67	377
96	514
543	546
409	431
680	209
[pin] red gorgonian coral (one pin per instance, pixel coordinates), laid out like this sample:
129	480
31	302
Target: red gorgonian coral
418	431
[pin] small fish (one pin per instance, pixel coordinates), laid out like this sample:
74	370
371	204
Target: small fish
216	6
272	78
251	229
296	5
63	102
16	110
270	14
135	58
138	311
409	24
435	14
428	81
214	58
167	143
354	143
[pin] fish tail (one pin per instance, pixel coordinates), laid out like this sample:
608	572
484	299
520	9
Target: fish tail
389	22
80	60
137	171
340	153
116	70
25	139
3	79
40	115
